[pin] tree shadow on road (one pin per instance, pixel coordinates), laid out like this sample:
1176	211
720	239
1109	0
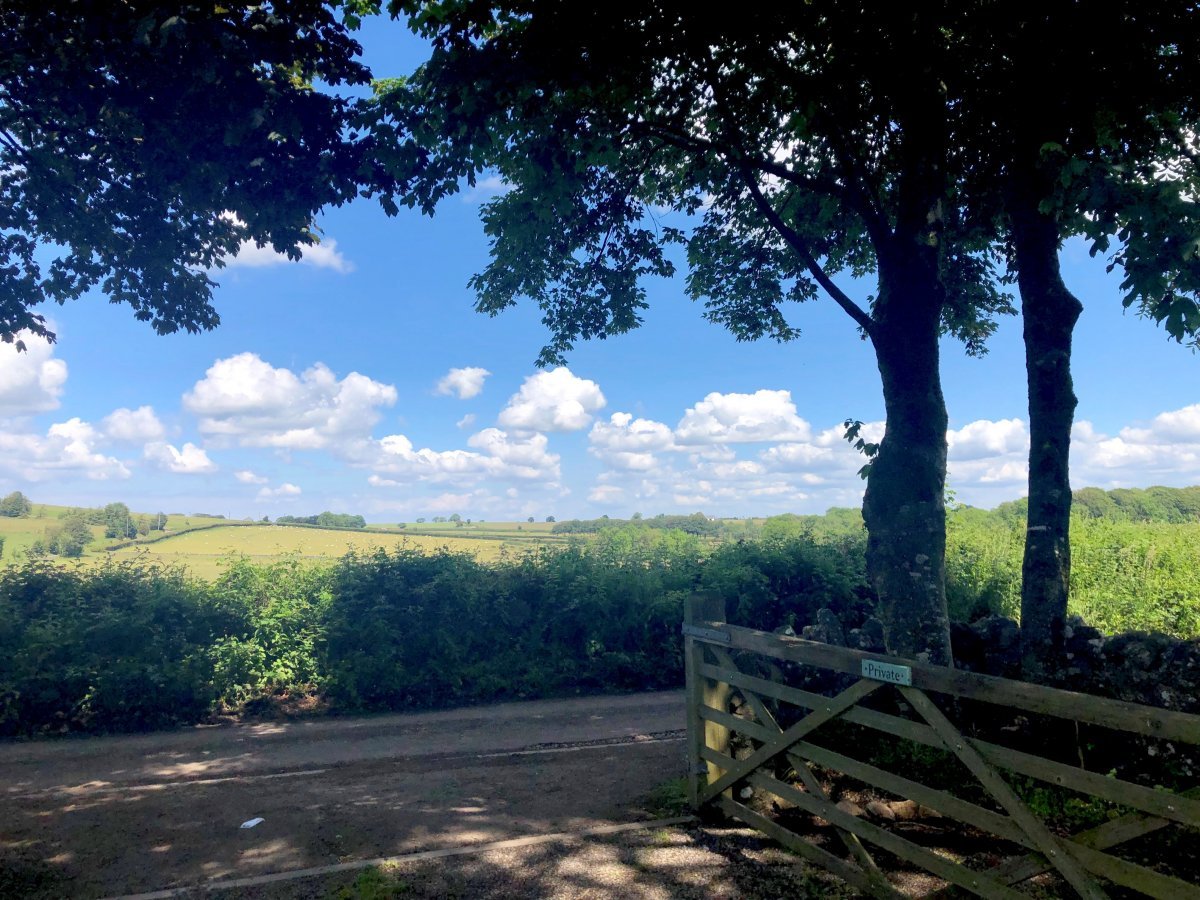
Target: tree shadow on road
690	863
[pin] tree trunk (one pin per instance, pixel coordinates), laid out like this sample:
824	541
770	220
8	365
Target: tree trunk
1049	312
904	506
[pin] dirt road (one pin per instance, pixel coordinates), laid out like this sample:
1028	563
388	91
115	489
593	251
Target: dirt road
104	817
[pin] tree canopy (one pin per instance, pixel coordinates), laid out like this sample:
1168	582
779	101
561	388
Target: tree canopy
142	142
15	504
67	538
779	150
602	120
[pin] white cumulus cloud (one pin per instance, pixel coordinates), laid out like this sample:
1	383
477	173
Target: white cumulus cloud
326	255
1179	426
246	476
1166	451
608	494
31	381
1006	473
463	383
984	438
323	255
557	400
741	470
284	491
133	426
741	418
186	460
497	454
521	457
396	455
987	462
624	442
485	189
800	457
248	401
67	450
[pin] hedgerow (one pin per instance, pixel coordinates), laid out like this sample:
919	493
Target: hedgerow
135	646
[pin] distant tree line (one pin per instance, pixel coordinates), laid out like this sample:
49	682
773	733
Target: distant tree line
696	523
325	520
1161	505
456	518
1153	504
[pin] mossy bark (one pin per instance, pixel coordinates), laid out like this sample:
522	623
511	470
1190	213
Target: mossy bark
1049	312
904	507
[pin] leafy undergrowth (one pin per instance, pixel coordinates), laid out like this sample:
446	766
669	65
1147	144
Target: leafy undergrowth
668	800
134	645
377	883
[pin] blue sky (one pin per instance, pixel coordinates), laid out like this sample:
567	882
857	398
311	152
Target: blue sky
361	380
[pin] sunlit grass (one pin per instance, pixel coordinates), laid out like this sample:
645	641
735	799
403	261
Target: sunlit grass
203	552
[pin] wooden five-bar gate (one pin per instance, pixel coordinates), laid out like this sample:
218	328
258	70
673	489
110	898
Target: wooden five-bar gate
720	660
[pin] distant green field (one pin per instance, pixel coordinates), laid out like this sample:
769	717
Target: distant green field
201	542
19	534
202	551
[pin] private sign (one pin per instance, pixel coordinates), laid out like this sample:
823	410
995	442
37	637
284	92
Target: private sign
889	672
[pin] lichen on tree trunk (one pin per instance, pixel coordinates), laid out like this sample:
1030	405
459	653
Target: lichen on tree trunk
1049	312
904	506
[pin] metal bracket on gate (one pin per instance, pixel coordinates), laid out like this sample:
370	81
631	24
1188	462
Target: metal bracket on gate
707	634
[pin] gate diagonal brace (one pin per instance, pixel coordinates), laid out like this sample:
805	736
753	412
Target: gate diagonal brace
874	877
831	710
1058	856
1111	834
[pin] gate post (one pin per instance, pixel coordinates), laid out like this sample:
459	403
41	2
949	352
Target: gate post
701	609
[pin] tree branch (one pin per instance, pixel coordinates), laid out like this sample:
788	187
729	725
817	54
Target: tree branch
770	167
748	165
798	244
12	144
624	194
861	188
